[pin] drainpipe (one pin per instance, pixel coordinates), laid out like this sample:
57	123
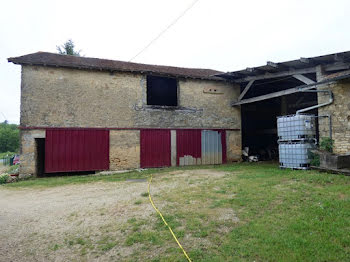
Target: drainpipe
329	123
331	99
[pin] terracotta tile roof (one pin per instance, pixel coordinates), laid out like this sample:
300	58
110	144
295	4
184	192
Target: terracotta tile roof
57	60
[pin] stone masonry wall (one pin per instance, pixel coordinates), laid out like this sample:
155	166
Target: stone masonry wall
234	146
340	111
124	150
28	150
58	97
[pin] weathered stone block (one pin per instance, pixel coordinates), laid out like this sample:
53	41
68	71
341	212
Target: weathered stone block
328	160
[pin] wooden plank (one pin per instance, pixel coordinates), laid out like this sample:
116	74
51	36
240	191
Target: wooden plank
290	72
276	75
304	79
245	90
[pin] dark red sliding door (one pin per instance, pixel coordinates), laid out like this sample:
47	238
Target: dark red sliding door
70	150
155	148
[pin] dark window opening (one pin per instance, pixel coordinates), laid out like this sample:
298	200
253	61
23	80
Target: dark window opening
161	91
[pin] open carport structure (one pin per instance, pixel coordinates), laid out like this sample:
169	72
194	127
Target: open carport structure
317	85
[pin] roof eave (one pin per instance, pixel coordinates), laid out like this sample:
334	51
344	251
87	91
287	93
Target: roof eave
16	61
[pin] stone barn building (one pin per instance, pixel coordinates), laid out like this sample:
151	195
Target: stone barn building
86	114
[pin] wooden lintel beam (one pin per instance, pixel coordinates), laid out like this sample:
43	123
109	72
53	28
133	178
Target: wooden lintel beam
245	90
304	79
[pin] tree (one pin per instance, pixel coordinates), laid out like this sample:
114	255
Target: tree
68	48
9	137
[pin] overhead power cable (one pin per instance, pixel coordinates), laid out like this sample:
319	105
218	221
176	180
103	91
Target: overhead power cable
165	29
4	116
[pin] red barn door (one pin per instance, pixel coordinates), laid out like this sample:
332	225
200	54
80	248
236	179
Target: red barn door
188	146
155	148
70	150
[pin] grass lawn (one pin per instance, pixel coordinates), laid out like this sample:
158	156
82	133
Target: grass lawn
252	212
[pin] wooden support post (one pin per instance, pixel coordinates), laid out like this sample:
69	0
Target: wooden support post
320	74
284	106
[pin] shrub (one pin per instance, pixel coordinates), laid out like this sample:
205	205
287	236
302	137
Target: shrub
3	178
314	159
326	144
7	154
13	169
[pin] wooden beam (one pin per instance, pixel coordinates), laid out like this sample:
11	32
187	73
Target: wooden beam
336	67
276	75
269	96
245	90
304	79
293	90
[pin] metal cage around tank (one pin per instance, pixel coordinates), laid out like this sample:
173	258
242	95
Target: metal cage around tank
296	137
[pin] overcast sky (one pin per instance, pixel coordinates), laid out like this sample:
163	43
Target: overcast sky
225	35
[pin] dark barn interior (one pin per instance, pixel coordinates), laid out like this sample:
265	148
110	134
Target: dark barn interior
40	156
280	89
259	119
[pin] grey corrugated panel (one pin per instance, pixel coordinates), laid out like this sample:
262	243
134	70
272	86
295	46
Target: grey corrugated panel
211	147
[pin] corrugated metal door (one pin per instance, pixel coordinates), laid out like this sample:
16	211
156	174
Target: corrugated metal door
188	146
155	148
70	150
211	147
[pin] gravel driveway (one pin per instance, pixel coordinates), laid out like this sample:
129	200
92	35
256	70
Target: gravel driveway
49	224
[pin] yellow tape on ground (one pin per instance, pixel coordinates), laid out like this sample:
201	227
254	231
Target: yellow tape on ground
160	214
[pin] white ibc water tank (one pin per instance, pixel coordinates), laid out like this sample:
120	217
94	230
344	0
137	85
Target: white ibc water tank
295	155
296	127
